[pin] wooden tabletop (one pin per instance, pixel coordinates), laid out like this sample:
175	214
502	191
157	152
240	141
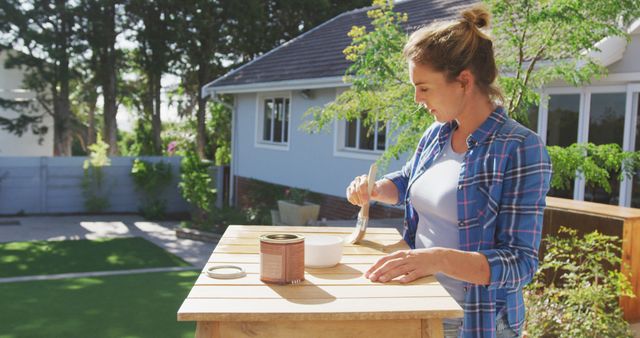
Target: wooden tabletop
338	293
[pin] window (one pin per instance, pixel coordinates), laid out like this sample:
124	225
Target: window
357	136
606	125
273	120
564	110
562	129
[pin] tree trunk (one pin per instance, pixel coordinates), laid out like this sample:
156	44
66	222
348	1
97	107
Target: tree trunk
91	132
202	112
109	82
62	108
156	123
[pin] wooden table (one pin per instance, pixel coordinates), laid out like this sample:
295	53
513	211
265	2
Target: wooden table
331	302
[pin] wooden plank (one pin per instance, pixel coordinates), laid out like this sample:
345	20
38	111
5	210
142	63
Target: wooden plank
409	328
256	234
349	269
631	268
321	229
310	279
591	208
207	330
255	240
232	258
374	249
432	328
317	291
251	309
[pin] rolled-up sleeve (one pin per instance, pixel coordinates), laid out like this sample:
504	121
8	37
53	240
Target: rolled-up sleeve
401	180
514	259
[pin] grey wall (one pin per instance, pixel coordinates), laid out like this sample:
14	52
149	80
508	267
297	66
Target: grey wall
309	163
52	185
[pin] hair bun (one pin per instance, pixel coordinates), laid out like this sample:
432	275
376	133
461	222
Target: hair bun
477	16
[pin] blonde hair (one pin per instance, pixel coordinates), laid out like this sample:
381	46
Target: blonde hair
453	46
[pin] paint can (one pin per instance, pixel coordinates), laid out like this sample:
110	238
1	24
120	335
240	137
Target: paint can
282	258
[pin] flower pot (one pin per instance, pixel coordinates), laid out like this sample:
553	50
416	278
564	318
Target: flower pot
298	215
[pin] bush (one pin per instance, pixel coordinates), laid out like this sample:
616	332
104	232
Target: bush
151	179
576	291
196	184
93	182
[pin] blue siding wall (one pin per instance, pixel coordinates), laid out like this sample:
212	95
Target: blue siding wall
52	185
309	163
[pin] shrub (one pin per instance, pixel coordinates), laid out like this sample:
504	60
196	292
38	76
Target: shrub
576	292
93	182
151	179
196	185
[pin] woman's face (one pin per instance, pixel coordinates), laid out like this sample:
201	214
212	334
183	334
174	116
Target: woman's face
432	90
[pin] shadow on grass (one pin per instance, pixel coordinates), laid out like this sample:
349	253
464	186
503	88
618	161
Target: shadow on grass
141	305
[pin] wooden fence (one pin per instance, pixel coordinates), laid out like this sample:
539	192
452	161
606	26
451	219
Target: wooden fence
52	185
610	220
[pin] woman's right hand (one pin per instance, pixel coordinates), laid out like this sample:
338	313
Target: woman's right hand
357	191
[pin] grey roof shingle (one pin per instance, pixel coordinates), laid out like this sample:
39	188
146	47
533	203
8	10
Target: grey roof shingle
318	52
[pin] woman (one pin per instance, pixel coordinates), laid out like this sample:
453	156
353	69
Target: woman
474	190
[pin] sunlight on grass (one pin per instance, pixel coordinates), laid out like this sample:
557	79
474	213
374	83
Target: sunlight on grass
81	283
54	257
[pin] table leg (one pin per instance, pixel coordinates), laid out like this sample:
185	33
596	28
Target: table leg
207	329
432	328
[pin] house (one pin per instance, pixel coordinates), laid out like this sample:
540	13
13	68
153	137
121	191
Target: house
28	144
272	92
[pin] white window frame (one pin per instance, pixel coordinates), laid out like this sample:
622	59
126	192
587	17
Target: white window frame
339	144
583	126
259	121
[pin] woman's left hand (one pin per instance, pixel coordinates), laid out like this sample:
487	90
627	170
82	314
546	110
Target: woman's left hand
410	264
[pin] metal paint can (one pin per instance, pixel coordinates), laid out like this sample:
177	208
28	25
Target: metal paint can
282	258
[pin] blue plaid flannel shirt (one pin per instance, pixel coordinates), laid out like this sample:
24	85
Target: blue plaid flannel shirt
503	182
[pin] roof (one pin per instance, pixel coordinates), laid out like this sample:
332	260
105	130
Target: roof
315	58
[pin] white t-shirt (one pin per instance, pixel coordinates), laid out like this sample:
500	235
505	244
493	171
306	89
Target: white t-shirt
434	196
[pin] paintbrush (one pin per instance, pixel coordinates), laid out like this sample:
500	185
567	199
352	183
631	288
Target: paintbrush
363	216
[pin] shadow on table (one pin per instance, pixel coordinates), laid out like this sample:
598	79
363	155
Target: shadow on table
338	272
388	248
305	293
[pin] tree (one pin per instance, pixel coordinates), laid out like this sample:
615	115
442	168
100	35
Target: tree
153	25
203	46
536	42
100	30
380	90
44	34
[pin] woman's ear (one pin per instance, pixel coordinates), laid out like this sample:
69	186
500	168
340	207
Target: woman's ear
465	78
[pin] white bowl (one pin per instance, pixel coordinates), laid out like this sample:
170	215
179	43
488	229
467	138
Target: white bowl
322	251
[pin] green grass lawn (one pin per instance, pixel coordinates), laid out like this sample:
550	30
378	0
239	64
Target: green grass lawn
44	258
139	305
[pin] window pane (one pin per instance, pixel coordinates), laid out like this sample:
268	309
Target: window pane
286	121
606	121
366	138
382	135
350	134
606	125
562	129
266	128
278	120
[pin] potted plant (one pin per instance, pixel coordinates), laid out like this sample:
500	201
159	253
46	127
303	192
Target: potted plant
295	210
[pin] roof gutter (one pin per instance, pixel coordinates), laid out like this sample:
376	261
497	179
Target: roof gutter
324	82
